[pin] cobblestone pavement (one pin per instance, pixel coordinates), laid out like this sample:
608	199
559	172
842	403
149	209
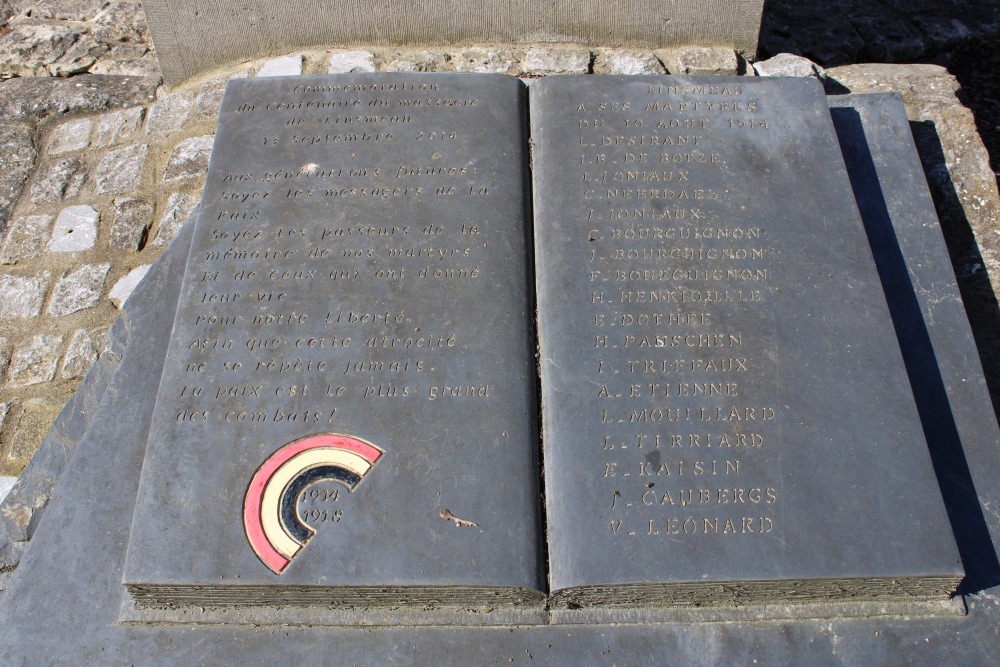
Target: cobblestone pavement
104	164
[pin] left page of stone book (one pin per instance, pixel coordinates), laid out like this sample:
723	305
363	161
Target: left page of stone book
347	414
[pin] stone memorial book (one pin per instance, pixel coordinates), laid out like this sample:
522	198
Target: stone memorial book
348	417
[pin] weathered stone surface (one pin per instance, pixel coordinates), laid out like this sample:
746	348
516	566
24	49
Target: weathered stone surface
79	290
120	171
62	179
539	62
210	96
418	61
700	60
169	113
351	61
942	31
73	135
5	350
628	62
101	340
128	60
12	551
119	127
34	361
22	295
178	208
79	58
29	47
956	161
44	96
79	357
75	229
132	220
122	22
495	61
26	239
6	482
35	421
18	151
189	159
123	288
284	66
787	64
66	10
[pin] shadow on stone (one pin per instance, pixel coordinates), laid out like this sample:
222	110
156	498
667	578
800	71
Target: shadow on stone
937	419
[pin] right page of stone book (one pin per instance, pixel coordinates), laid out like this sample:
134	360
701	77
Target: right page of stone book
726	415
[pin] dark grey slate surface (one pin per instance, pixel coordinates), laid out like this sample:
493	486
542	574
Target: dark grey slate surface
937	343
726	415
359	268
82	538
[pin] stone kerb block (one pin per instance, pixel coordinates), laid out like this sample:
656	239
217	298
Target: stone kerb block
627	62
124	287
178	208
75	229
132	219
700	60
79	290
539	62
58	180
80	356
284	66
169	113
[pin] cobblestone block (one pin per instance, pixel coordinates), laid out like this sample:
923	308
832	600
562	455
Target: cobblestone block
120	171
19	154
75	229
5	350
35	361
35	421
419	61
4	411
62	179
539	62
119	127
700	60
787	64
29	47
132	220
284	66
189	159
79	290
123	288
169	113
22	295
351	61
179	207
495	61
79	357
73	135
628	62
210	96
26	239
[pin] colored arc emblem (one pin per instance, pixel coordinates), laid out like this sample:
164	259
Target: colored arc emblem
270	514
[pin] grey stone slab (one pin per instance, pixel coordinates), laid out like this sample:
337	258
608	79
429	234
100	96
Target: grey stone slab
367	281
126	284
29	97
79	290
543	61
79	357
726	414
283	66
627	62
18	149
193	37
351	61
700	60
63	600
177	212
938	346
